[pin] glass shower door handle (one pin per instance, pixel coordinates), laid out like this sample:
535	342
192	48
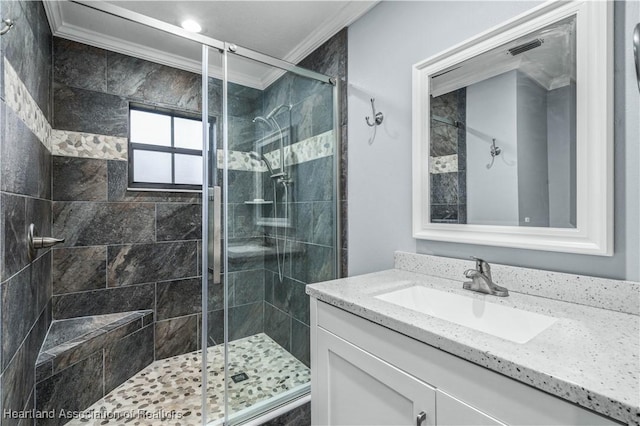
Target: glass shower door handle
217	233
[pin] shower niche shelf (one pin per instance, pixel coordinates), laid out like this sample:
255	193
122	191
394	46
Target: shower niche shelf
257	249
258	202
274	223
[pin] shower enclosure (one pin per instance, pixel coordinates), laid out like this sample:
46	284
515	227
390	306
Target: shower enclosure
272	229
221	305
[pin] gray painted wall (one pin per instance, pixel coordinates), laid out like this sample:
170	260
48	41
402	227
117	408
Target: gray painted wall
383	45
561	150
533	188
492	194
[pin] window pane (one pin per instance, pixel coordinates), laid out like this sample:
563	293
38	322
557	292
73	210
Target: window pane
188	133
188	169
150	128
151	166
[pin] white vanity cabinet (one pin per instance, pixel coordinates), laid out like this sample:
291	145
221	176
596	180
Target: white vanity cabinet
366	374
452	412
360	388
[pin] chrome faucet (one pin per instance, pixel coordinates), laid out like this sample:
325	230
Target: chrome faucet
481	280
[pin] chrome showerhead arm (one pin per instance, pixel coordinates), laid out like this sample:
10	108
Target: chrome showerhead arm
278	109
259	157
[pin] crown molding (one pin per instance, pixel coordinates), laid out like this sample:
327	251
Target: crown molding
60	28
55	11
82	35
330	27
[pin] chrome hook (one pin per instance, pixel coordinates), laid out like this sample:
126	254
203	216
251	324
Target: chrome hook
377	116
9	23
495	151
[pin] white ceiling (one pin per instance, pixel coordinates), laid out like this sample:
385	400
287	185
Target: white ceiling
288	30
551	65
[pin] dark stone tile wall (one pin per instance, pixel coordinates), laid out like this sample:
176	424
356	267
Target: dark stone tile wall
25	197
84	376
448	190
93	88
125	250
331	59
137	238
312	237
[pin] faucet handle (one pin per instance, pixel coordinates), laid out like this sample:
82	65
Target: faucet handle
479	263
482	266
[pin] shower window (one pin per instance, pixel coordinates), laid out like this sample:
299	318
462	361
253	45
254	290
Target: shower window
165	149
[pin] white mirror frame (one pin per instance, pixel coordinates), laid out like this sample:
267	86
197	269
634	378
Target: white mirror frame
594	134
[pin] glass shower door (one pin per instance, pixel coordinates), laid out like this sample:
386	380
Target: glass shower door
276	166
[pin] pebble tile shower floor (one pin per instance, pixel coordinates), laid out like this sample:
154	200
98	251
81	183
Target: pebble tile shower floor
167	392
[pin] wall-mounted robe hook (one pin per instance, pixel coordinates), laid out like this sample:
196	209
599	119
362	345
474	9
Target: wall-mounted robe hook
377	116
495	151
8	24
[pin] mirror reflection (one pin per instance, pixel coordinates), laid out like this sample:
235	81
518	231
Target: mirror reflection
503	134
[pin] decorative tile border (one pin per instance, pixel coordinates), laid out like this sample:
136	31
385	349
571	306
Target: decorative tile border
242	161
19	99
313	148
88	145
444	164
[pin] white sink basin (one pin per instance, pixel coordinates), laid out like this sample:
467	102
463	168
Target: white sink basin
501	321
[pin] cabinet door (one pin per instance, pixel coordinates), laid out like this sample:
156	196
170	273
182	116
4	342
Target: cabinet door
453	412
357	388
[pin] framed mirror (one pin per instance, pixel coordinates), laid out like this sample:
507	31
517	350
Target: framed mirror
512	134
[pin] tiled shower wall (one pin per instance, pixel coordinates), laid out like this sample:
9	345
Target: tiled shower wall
448	159
124	250
331	59
130	250
25	197
286	307
118	241
245	275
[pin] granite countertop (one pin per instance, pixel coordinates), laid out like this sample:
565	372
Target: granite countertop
589	356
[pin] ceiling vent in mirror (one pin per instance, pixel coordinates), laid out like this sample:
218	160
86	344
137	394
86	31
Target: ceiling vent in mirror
526	46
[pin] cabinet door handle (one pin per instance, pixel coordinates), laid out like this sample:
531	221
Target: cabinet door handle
422	416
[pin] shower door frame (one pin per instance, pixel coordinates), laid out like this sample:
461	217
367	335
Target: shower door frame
233	49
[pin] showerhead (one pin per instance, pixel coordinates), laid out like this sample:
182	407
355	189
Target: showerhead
259	157
263	120
277	110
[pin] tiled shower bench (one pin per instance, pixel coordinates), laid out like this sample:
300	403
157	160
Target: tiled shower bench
84	358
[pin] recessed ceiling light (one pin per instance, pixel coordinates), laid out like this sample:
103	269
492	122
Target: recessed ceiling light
191	26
